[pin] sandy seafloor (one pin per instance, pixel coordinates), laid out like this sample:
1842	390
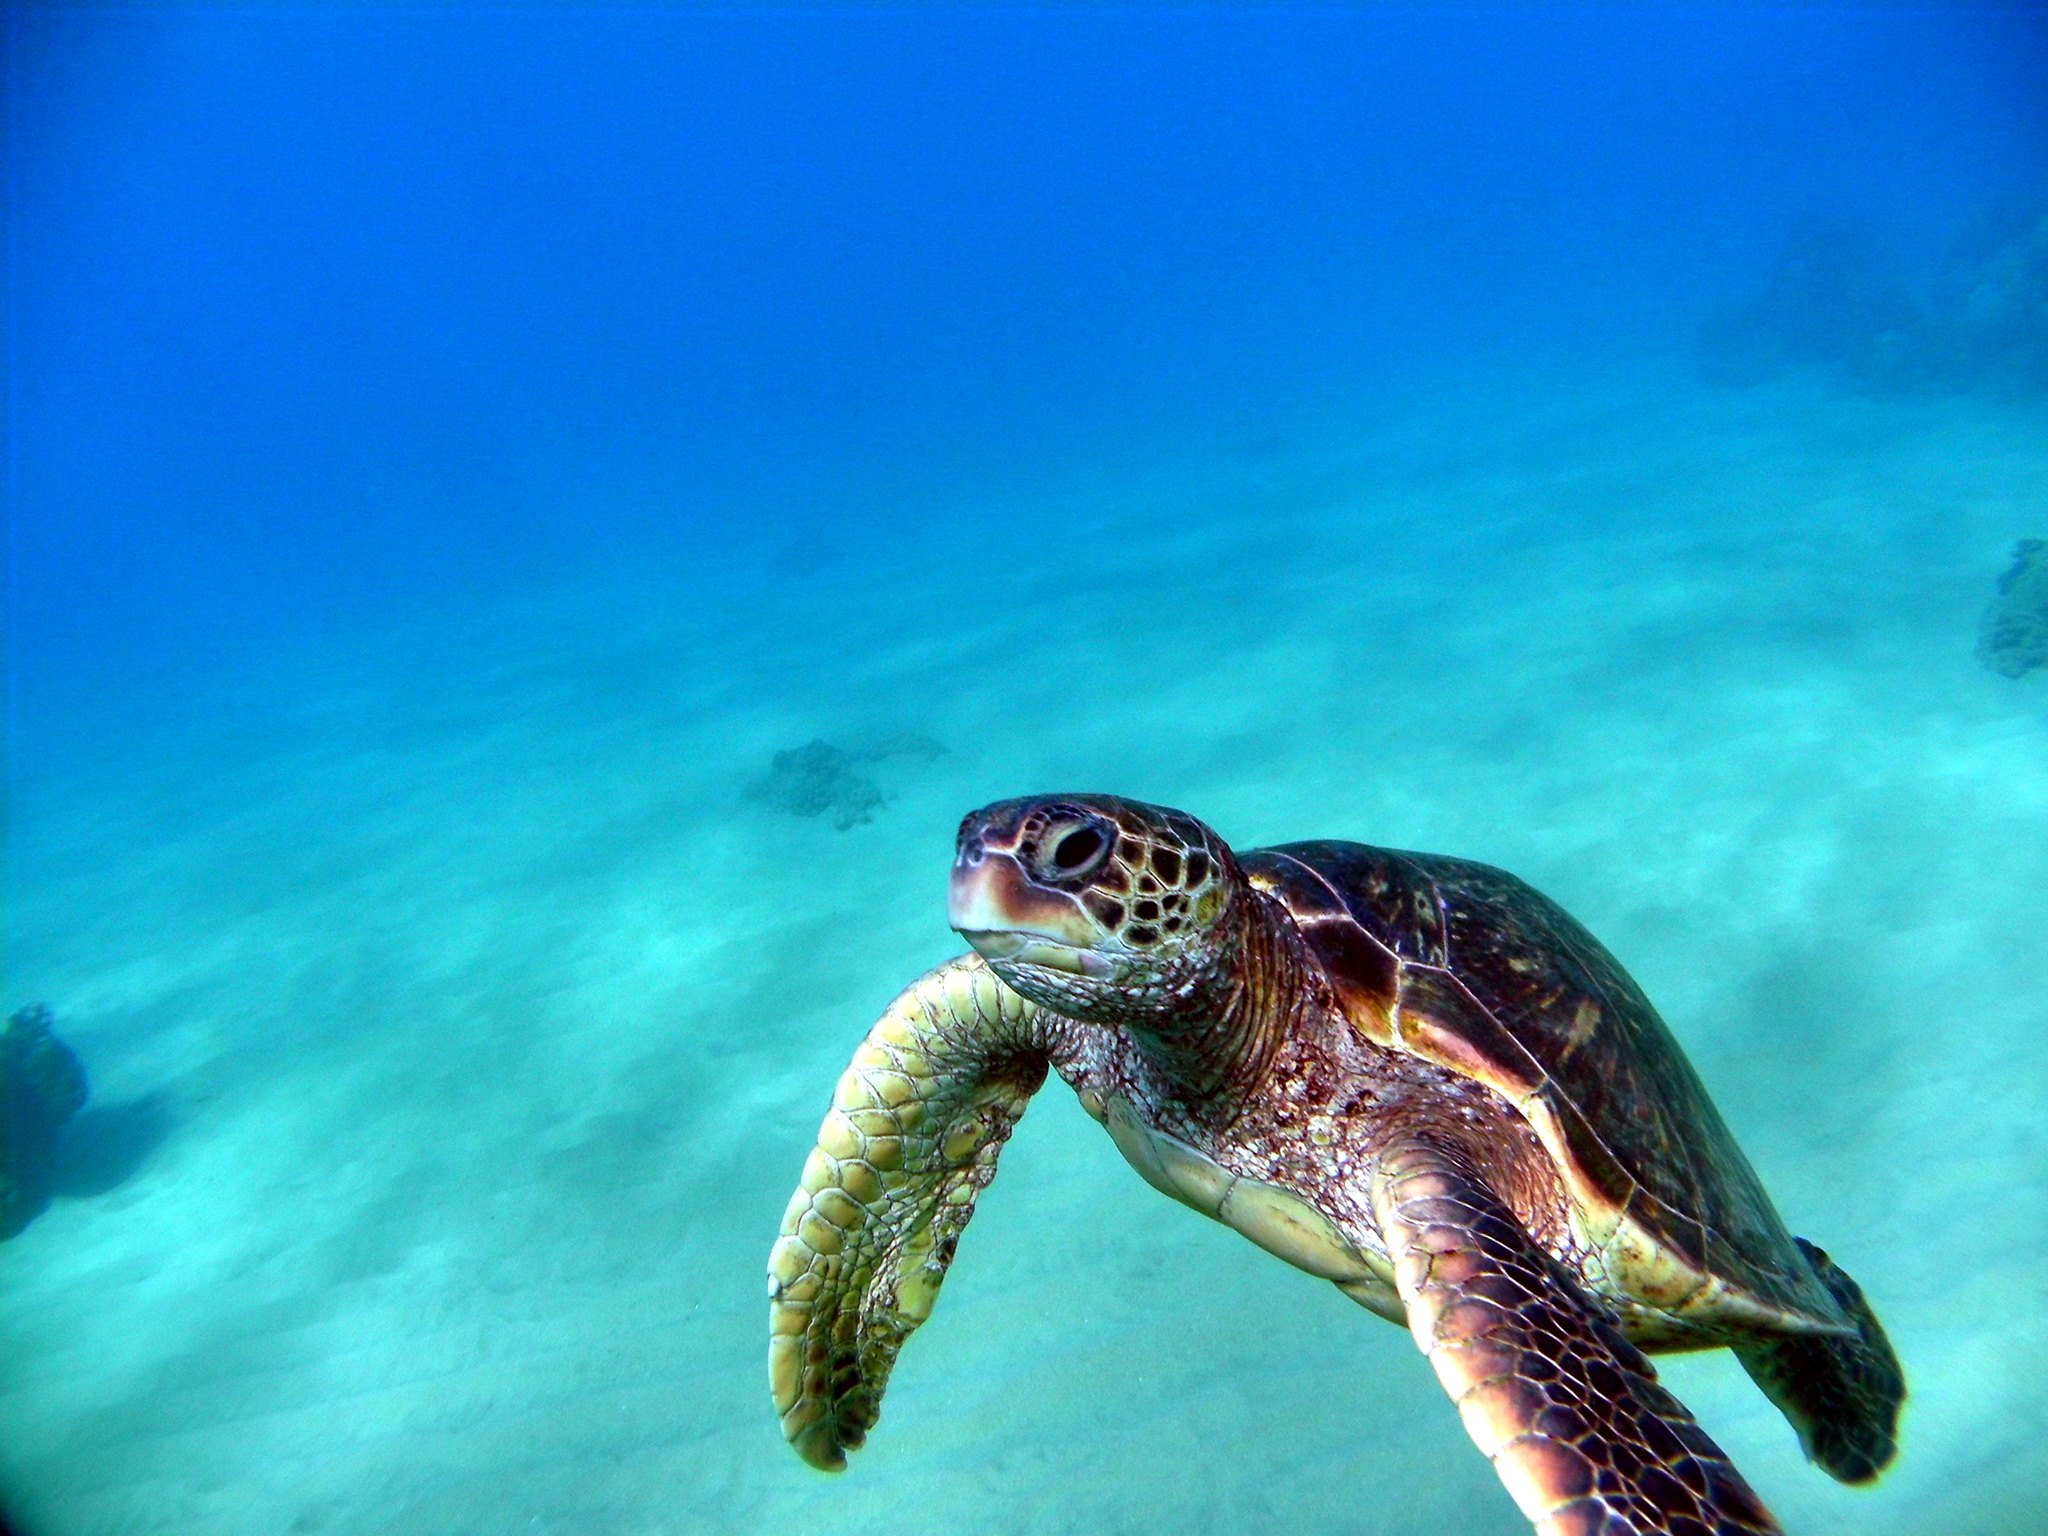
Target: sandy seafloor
486	1021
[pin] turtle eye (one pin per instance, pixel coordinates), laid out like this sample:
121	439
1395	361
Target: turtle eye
1076	851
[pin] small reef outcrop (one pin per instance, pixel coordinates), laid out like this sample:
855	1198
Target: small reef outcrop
1835	304
42	1085
2012	639
819	779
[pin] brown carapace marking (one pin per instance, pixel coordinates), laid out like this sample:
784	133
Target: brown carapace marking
1585	1019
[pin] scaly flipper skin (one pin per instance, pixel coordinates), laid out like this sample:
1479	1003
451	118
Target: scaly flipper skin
1568	1410
911	1139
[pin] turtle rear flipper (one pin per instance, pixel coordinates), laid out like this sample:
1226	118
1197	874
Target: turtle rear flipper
1841	1392
1569	1412
912	1137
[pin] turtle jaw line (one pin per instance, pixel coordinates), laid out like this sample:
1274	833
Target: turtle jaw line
1020	946
1012	919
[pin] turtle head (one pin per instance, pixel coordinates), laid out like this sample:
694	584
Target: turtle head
1096	907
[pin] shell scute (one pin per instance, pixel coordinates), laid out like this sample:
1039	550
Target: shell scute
1497	982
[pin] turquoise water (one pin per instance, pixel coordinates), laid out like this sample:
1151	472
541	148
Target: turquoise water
454	452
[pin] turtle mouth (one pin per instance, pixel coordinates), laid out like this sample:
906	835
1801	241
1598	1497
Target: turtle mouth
1012	920
1013	946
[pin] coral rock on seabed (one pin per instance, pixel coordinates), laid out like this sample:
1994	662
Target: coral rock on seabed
1991	302
1836	305
1831	303
2013	638
819	779
42	1085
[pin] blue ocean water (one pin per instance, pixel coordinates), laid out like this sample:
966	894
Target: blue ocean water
454	451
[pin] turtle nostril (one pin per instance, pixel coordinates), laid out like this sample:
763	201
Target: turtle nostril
1074	852
972	849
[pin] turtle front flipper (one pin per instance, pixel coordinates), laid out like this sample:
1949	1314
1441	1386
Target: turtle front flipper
1569	1412
1841	1392
911	1139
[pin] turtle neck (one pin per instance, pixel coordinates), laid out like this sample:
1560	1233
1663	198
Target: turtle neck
1215	1050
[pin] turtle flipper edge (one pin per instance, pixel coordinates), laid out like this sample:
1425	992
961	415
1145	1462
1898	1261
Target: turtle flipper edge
1842	1394
912	1137
1569	1412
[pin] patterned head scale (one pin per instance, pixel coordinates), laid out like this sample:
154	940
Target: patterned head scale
1096	906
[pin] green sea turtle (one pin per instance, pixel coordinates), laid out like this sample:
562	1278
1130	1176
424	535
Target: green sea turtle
1411	1075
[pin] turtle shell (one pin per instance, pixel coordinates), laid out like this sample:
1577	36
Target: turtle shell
1469	967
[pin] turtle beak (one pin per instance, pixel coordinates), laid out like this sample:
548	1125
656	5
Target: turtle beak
1008	917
